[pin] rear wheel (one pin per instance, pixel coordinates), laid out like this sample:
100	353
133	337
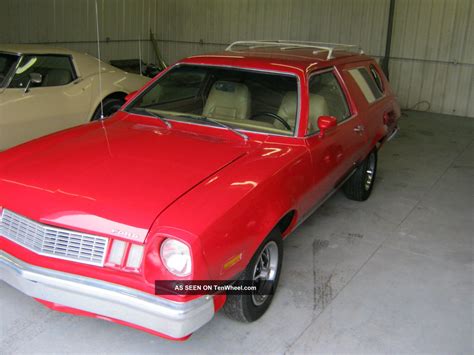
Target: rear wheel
110	106
264	271
360	185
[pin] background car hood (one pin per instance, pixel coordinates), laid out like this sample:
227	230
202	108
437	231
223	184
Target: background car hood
109	178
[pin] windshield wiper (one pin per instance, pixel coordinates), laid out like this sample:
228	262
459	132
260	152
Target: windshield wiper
217	123
162	119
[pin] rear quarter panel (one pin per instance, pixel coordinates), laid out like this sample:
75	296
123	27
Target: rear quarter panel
371	115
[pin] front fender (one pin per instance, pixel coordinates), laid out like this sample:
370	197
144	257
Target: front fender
234	210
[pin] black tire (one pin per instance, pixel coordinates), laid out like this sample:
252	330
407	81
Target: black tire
243	308
110	105
361	183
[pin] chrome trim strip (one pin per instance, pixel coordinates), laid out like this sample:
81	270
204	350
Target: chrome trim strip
324	199
174	319
393	134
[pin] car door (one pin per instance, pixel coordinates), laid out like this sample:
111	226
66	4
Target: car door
337	152
59	101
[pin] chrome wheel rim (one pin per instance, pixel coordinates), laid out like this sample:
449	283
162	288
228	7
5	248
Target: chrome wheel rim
264	272
370	172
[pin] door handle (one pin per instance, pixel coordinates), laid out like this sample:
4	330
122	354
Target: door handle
359	128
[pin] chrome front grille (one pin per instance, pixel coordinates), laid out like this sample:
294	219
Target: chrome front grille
54	242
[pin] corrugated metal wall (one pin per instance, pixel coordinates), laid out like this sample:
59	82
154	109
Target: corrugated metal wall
432	49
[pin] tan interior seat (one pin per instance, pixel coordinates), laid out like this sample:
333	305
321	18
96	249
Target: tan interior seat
228	100
317	107
287	110
57	77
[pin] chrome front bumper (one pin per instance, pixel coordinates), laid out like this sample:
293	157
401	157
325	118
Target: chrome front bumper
174	319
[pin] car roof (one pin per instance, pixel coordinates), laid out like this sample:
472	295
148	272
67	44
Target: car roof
277	58
33	49
85	64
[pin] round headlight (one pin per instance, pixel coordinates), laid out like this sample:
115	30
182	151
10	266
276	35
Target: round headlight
176	257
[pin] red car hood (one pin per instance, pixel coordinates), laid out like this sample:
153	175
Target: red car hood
109	179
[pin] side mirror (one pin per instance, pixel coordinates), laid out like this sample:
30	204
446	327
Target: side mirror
35	78
130	96
326	123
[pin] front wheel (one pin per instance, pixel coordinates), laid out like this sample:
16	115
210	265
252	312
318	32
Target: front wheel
264	272
360	184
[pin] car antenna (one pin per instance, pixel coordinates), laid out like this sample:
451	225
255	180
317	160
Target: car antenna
140	40
99	61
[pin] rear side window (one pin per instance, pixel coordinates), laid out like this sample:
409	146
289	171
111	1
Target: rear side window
56	70
376	76
367	84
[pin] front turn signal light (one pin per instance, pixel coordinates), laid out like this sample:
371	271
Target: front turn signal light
135	256
116	252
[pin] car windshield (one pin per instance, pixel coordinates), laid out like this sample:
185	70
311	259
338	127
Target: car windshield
239	99
7	63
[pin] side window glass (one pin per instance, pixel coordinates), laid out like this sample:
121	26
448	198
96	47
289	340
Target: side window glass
56	70
7	64
366	83
326	98
376	77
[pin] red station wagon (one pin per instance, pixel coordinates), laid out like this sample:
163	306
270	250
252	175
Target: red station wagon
200	176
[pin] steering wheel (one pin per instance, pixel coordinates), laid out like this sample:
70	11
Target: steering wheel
272	115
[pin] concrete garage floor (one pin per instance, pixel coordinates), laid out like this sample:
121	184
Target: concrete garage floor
393	274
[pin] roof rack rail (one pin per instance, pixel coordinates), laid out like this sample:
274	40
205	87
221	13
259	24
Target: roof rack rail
288	45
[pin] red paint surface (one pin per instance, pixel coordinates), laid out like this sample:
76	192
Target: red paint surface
203	185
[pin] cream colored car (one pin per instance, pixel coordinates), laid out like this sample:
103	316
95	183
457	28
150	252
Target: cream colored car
46	89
